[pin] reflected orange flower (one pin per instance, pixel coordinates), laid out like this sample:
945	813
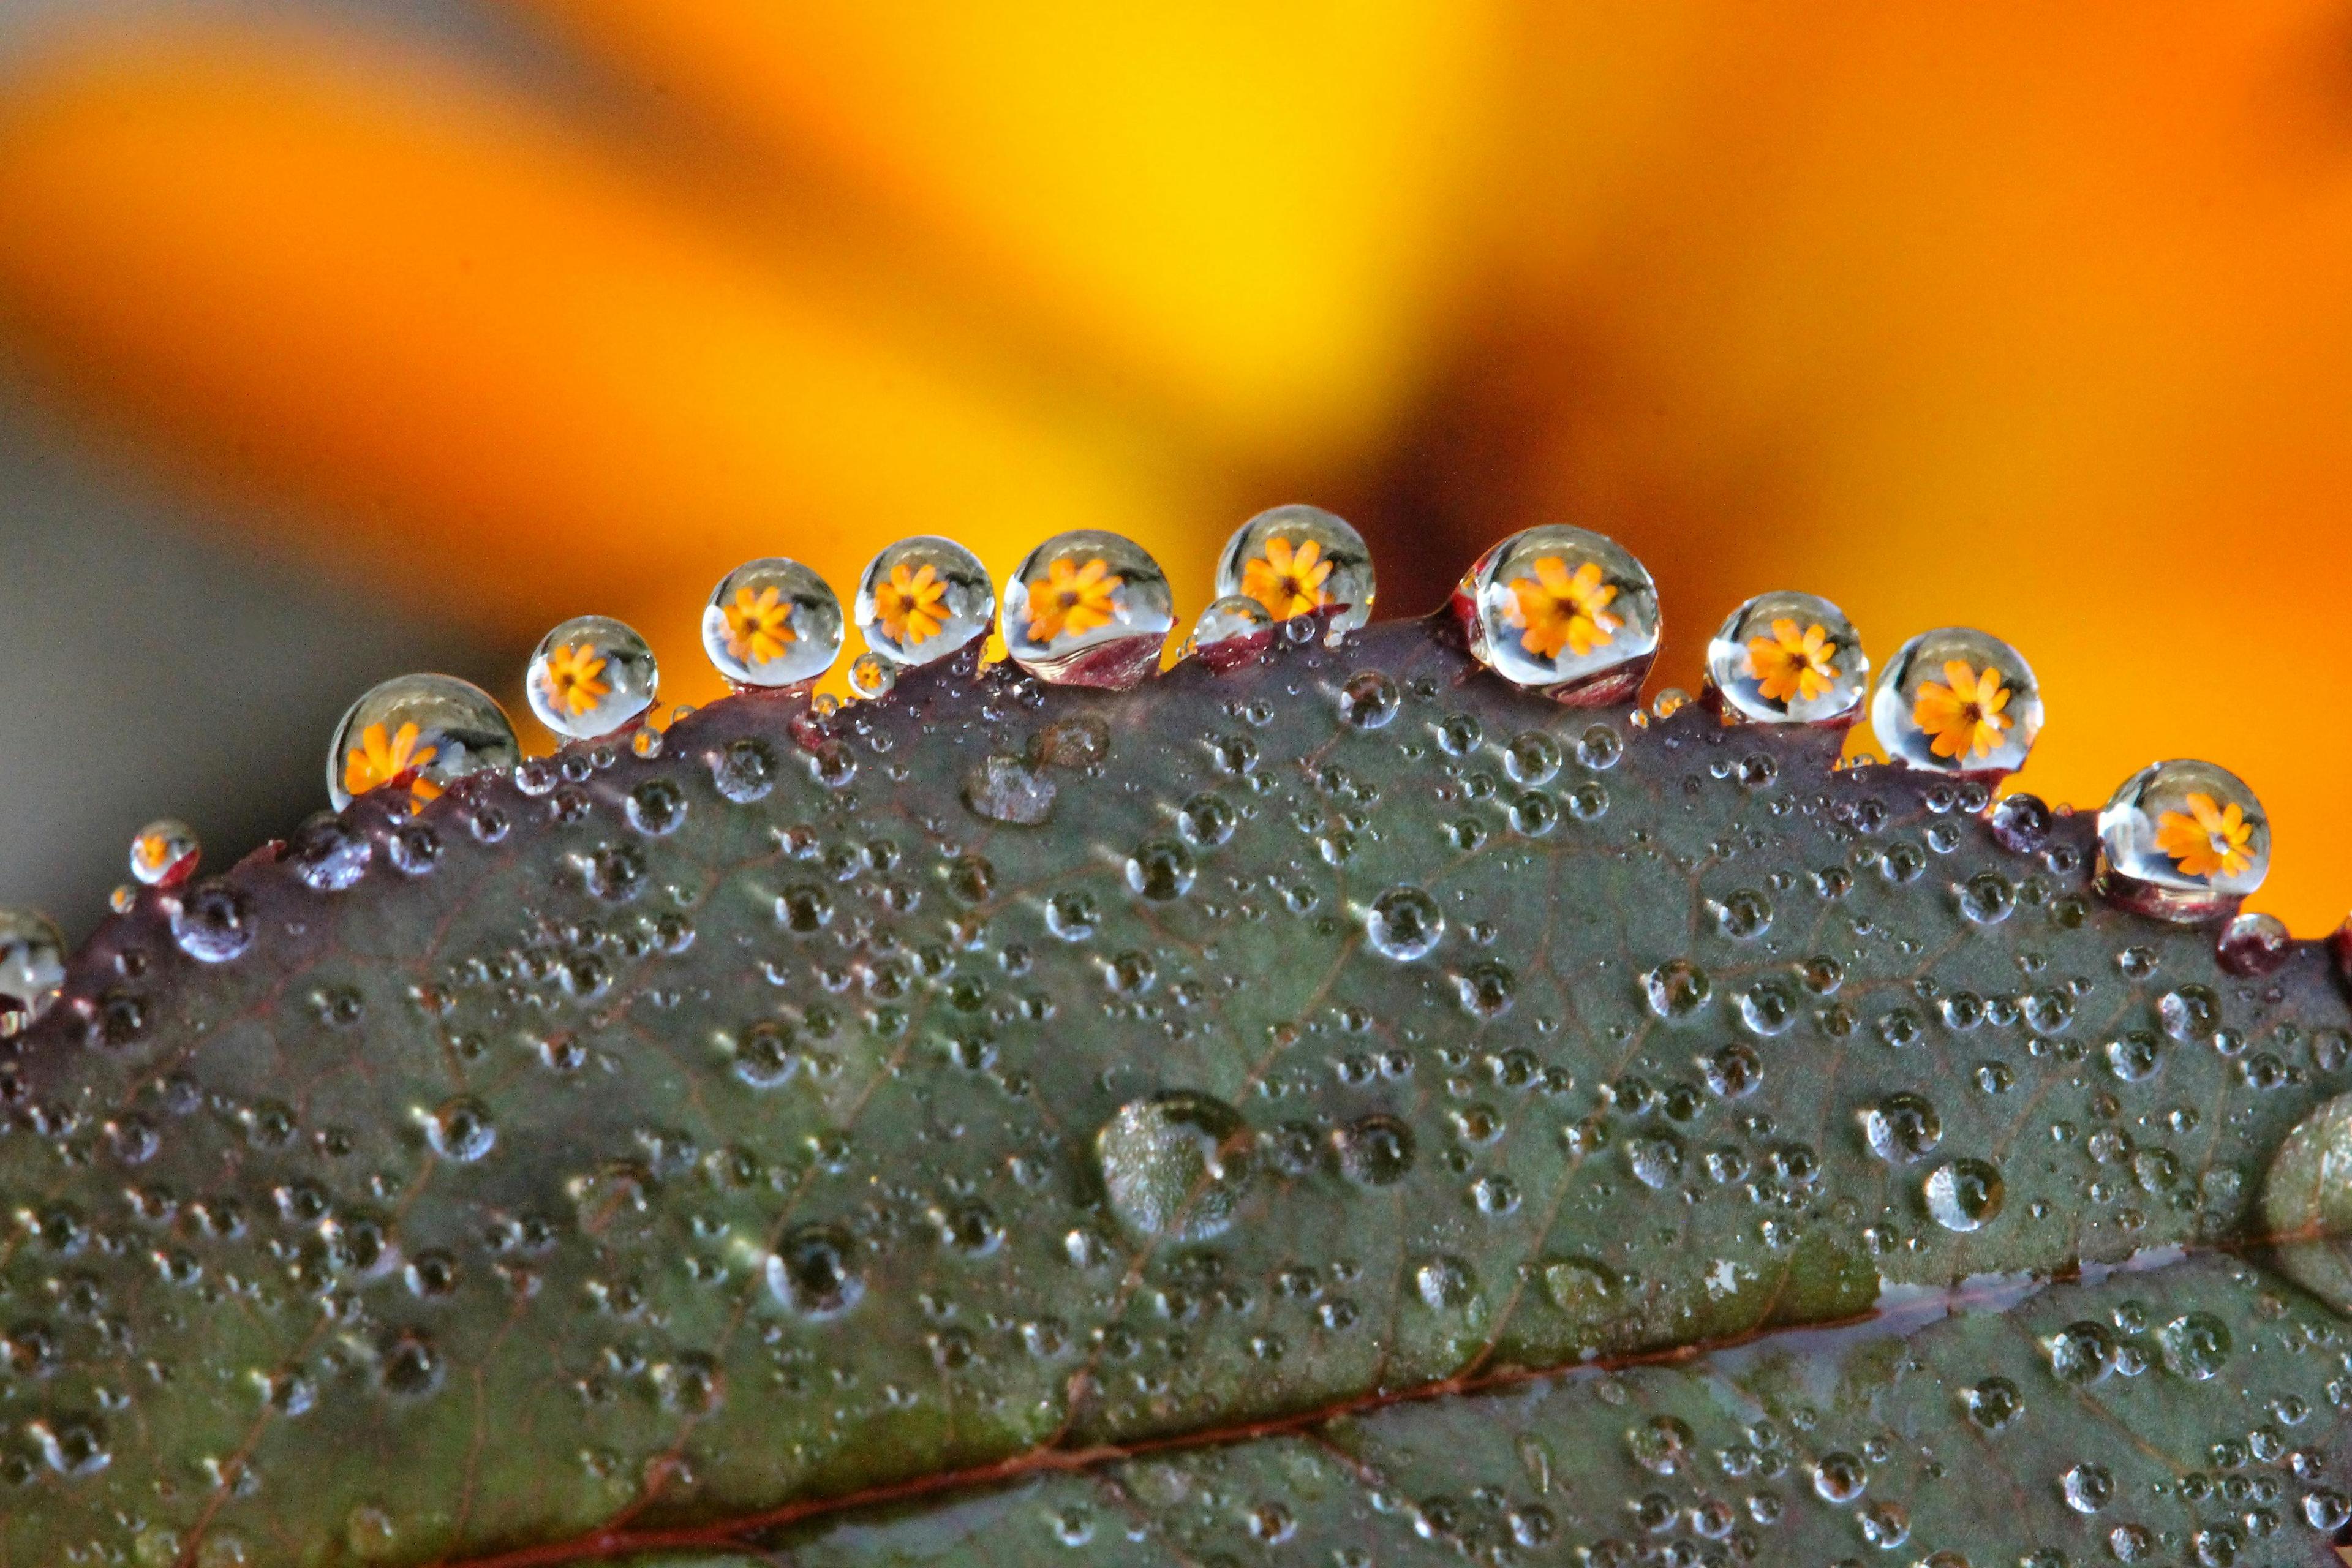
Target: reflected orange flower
1287	582
571	678
759	628
1558	609
378	761
1073	600
2207	840
1963	711
1791	665
911	603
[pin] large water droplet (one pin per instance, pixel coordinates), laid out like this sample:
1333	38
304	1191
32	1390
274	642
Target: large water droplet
1176	1163
421	731
2307	1202
1006	789
2088	1488
1369	700
2194	1345
772	623
1676	989
1404	923
2253	944
1087	608
1957	700
2184	840
1787	659
1299	561
163	854
923	598
589	676
32	968
1964	1194
1562	611
814	1271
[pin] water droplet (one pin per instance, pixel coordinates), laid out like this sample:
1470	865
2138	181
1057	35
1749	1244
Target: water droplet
1229	633
1176	1163
1006	789
1656	1160
1957	700
1902	1127
328	853
871	677
1562	611
1374	1151
814	1271
1295	560
923	598
1663	1445
1676	989
2196	1345
1963	1194
163	854
1839	1477
1787	659
2253	944
1993	1403
2307	1202
32	968
589	676
422	732
1581	1287
410	1365
1404	924
1485	990
1161	869
213	922
772	623
2088	1488
1369	700
1445	1283
461	1129
1087	608
2182	840
1207	820
744	769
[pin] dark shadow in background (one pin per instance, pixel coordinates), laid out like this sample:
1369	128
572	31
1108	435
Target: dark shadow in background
152	668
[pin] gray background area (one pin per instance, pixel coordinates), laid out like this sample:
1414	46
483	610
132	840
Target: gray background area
150	664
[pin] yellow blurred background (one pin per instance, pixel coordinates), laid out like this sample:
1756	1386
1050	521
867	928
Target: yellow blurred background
448	321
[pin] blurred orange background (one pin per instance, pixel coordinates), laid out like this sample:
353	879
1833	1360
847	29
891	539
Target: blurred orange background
2035	319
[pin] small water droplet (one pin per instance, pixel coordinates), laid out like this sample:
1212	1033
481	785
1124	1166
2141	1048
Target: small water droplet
1370	700
32	968
163	854
1229	633
461	1129
1562	611
1374	1151
213	922
1902	1127
814	1271
1957	700
1787	659
1404	923
1006	789
422	732
772	623
1676	989
871	677
589	676
2253	944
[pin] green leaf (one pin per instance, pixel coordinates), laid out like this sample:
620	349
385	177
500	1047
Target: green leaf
873	1137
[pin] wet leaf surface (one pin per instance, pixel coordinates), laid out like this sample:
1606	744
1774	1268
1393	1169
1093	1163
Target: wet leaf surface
1368	1104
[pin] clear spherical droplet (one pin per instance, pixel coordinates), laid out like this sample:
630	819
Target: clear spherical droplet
32	967
1957	700
422	731
1300	561
591	676
1404	924
1964	1194
163	854
871	676
2252	945
1176	1163
1230	631
771	623
1562	611
922	599
1087	608
2307	1202
1787	659
2184	840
